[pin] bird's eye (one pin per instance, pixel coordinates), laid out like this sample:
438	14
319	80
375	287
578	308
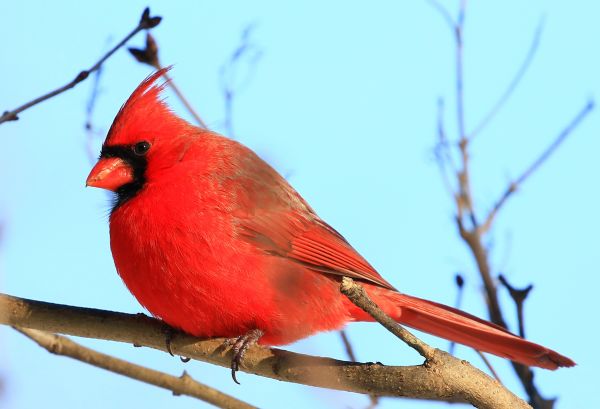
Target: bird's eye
141	148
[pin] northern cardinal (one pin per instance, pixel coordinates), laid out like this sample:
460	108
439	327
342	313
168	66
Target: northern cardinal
212	240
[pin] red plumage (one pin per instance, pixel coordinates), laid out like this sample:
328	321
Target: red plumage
211	239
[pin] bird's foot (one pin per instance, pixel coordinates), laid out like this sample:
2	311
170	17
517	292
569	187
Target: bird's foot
239	347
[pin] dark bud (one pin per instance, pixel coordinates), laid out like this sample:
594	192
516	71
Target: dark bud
145	14
147	22
460	281
154	21
10	117
81	76
148	55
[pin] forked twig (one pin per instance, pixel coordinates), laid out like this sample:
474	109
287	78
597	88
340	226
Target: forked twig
146	22
512	187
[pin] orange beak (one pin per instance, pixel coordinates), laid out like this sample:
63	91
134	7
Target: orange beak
110	173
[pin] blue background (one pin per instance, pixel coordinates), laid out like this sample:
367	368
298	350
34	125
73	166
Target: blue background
343	102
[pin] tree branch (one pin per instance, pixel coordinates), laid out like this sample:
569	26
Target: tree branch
475	386
146	22
443	383
471	231
182	385
359	297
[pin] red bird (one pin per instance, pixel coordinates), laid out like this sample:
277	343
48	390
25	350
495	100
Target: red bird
212	240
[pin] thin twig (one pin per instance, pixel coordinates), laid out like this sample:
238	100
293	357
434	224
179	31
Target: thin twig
146	22
518	296
460	95
514	83
512	188
352	356
443	12
91	133
488	364
184	100
442	153
149	56
229	76
183	385
359	297
460	287
464	197
347	346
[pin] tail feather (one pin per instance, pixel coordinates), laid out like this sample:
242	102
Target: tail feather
458	326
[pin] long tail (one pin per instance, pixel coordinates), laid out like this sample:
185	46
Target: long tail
458	326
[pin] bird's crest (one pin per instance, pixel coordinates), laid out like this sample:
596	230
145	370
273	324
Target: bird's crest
144	113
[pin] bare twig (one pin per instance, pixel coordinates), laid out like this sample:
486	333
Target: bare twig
512	188
183	385
442	153
146	22
435	360
460	287
488	364
471	231
149	55
91	133
513	84
518	296
443	12
229	73
460	95
359	297
452	380
347	346
352	356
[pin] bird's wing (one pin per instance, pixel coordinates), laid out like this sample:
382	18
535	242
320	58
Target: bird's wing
276	219
310	242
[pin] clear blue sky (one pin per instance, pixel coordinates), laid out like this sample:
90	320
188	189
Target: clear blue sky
343	101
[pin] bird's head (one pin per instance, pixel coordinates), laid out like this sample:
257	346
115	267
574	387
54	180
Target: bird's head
142	139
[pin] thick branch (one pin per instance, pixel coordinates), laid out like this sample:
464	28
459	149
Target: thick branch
182	385
420	382
352	357
146	22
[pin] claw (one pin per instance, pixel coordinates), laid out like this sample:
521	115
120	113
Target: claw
169	336
239	347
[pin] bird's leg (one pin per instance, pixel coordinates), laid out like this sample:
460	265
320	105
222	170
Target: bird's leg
239	347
